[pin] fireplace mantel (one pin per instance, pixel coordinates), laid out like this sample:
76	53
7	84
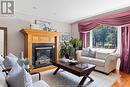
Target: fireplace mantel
39	36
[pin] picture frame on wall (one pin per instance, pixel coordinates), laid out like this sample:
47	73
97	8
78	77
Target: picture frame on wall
65	37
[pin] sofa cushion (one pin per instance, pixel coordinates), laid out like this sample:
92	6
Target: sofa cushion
102	50
85	52
97	62
19	77
40	83
102	56
94	61
84	59
3	80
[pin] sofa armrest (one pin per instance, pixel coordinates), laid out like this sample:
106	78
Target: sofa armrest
110	62
111	57
78	53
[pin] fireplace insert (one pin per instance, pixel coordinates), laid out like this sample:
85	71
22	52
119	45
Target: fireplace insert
43	55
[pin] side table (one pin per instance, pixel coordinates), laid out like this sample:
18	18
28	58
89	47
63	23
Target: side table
28	70
39	74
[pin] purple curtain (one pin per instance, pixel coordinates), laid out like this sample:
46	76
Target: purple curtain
125	59
114	20
84	39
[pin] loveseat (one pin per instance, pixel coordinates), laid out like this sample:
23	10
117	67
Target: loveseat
105	61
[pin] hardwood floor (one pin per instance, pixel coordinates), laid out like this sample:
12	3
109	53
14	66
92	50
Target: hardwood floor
124	80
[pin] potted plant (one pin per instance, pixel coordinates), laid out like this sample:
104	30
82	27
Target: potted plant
65	49
26	62
76	43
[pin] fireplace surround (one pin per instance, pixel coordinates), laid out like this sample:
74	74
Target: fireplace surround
39	40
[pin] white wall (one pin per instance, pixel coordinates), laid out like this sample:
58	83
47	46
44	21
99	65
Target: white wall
16	39
74	30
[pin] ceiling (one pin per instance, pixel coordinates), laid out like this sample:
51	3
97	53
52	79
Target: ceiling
68	11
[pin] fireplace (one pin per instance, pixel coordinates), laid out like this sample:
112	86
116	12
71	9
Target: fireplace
36	44
43	55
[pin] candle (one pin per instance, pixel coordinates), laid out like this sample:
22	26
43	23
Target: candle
22	57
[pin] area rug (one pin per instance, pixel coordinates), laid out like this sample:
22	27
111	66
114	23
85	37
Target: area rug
66	79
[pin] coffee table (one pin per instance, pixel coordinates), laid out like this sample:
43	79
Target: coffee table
85	72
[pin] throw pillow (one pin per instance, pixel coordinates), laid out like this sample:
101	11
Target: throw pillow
10	60
92	53
19	61
19	77
85	52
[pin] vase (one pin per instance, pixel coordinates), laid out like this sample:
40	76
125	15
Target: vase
27	67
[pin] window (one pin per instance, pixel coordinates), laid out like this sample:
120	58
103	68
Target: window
104	36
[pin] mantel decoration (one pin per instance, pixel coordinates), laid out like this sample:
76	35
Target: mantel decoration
42	25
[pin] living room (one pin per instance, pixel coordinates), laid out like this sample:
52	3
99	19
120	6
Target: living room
86	43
